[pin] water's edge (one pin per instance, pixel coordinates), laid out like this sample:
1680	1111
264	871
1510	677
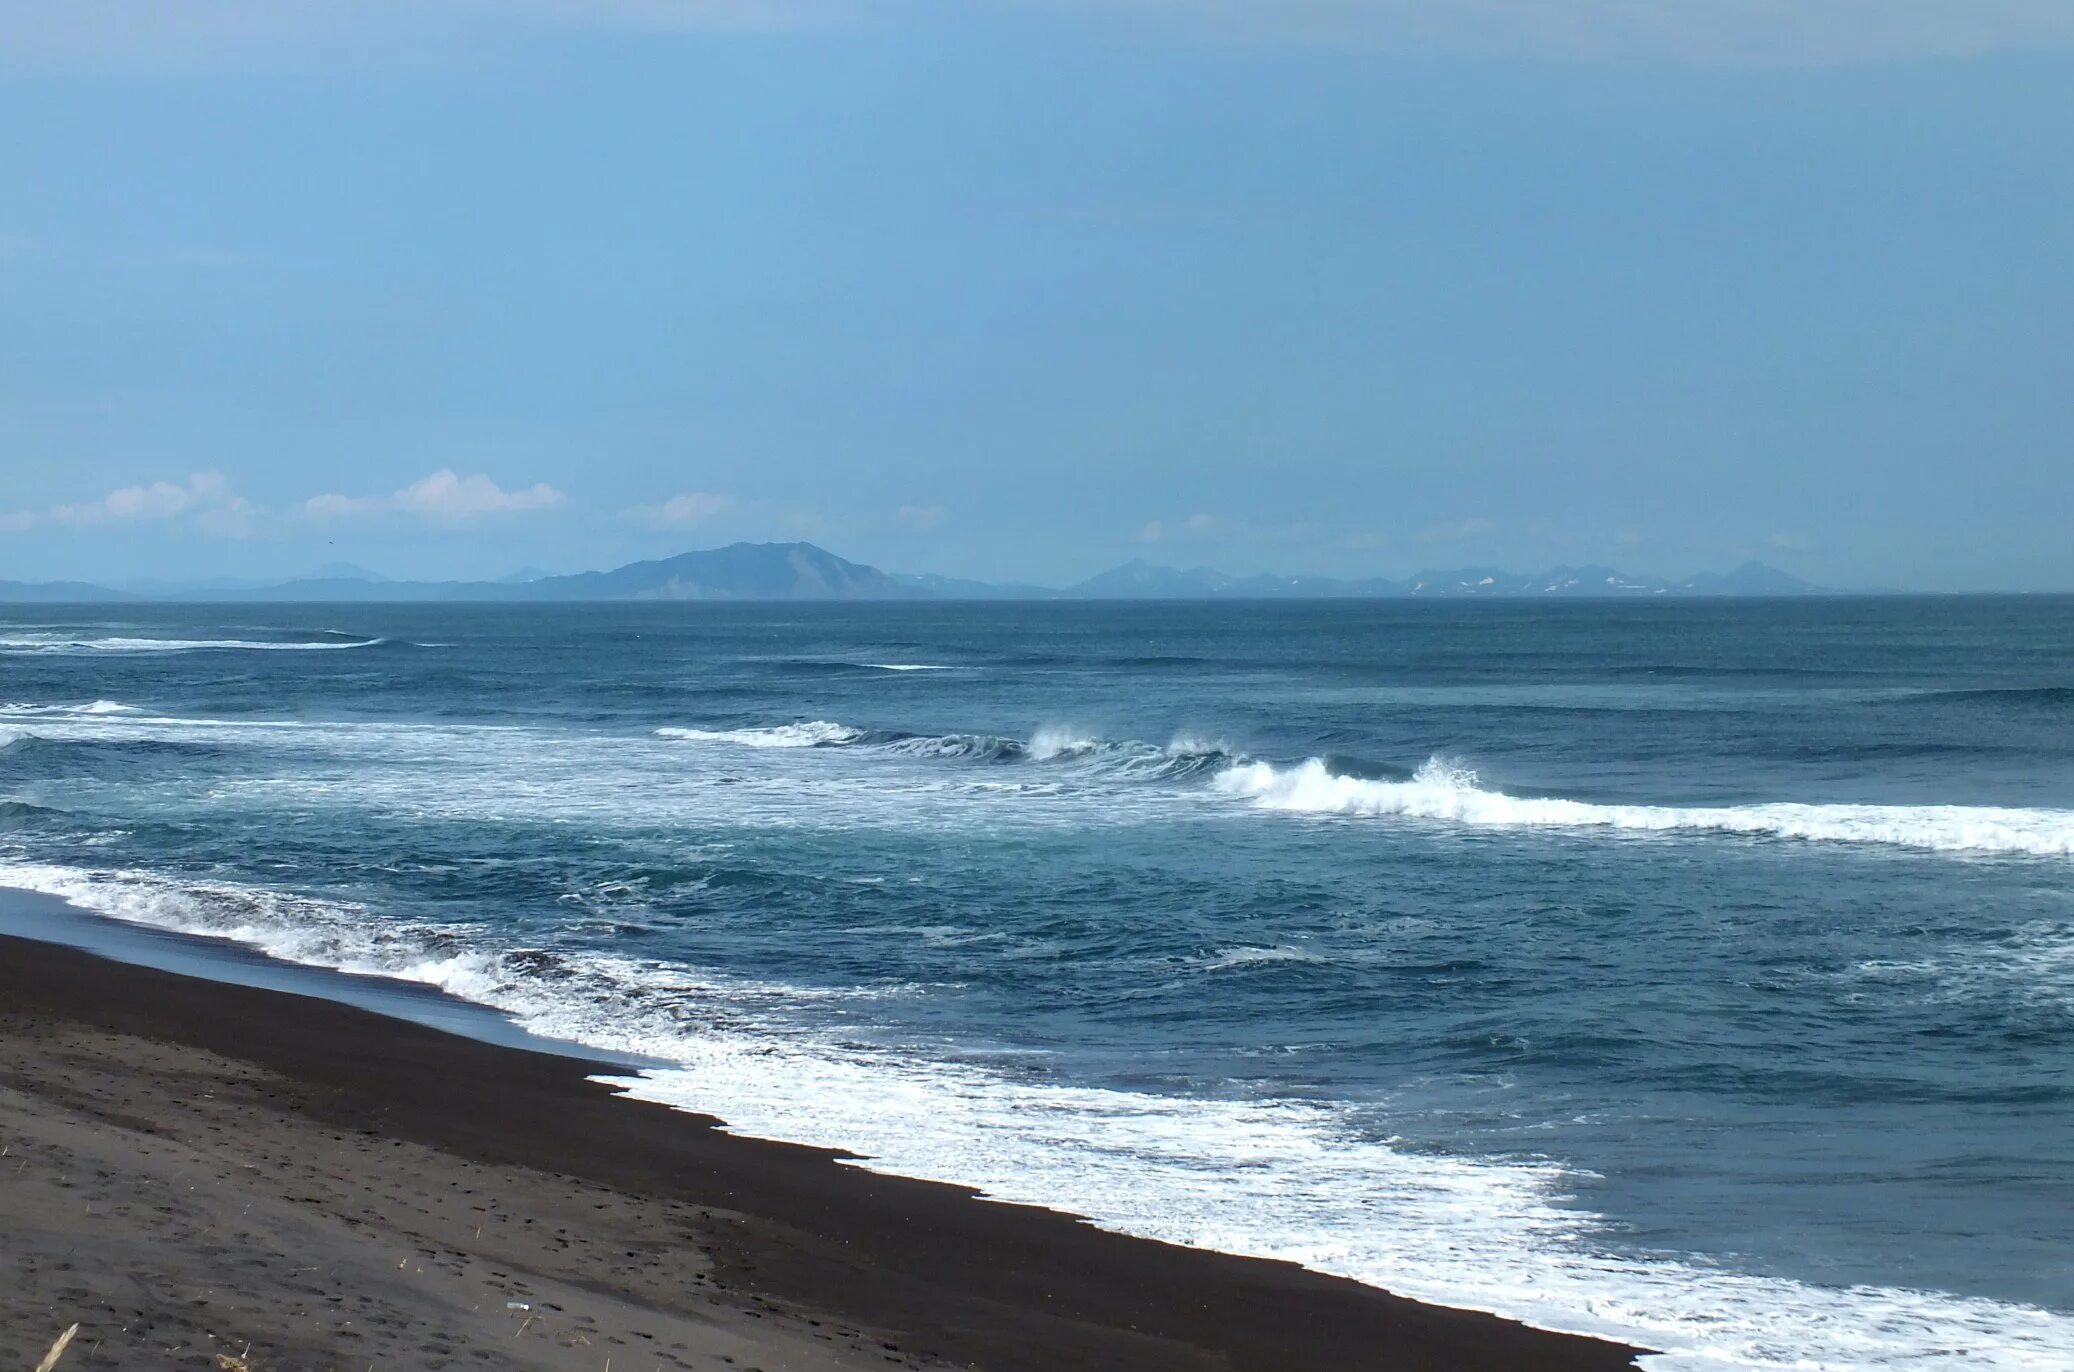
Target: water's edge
44	918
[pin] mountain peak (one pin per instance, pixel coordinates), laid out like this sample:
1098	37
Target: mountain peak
739	571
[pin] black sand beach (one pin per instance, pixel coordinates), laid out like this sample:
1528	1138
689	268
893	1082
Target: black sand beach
196	1171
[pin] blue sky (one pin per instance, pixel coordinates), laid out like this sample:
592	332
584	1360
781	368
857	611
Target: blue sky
1020	290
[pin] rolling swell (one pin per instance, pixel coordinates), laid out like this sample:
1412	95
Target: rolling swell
1439	791
1076	967
1183	757
29	755
20	814
2021	697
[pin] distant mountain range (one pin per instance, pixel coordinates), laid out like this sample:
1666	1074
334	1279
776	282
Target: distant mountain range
1140	580
801	571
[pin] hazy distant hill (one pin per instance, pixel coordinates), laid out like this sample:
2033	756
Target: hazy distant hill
1142	580
56	593
1139	580
219	587
740	571
1752	578
935	587
801	571
350	590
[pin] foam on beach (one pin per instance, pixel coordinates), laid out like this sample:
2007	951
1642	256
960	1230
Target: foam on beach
1285	1179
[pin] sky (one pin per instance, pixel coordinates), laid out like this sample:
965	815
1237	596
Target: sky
1021	289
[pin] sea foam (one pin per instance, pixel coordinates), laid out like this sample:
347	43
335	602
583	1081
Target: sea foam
70	645
817	733
1446	792
1271	1178
1056	746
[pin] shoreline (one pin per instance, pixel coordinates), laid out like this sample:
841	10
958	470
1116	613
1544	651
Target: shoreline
762	1239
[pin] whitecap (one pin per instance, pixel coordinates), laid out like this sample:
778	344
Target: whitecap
816	733
95	707
70	645
1447	792
1253	956
1053	741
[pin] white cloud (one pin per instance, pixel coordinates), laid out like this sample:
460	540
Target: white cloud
330	506
205	499
443	496
682	511
920	517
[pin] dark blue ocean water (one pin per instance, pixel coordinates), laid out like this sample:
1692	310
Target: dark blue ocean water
1700	972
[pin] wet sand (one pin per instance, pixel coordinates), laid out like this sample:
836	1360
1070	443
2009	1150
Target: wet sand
197	1171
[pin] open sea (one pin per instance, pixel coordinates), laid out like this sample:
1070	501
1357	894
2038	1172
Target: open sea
1698	973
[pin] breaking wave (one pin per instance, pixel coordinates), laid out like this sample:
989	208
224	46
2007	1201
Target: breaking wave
73	645
817	733
95	707
1184	756
1439	791
1446	792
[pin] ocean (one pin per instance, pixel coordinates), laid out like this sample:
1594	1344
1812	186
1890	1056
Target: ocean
1696	973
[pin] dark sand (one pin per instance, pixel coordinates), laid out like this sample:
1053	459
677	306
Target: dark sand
193	1169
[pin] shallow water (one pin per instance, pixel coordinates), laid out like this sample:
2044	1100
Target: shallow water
1697	972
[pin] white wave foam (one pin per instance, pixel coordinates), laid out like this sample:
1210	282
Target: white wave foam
817	733
96	707
1441	791
907	666
1050	745
1274	1179
1053	741
73	646
1277	1179
1252	956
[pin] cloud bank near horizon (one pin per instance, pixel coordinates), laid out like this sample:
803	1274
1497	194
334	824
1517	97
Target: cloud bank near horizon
444	496
205	500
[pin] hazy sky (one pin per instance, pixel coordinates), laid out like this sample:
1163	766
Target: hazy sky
1022	289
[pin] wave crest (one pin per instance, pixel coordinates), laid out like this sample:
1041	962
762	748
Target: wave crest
816	733
72	645
1052	745
1446	791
